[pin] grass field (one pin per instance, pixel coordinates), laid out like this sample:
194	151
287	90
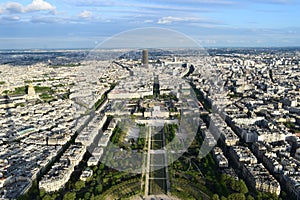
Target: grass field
157	136
156	145
157	177
157	159
157	141
157	186
158	173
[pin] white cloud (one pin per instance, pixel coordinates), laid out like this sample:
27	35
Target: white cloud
45	20
34	6
170	19
13	7
85	14
148	21
39	5
11	18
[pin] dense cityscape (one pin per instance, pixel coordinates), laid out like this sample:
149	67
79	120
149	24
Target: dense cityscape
150	124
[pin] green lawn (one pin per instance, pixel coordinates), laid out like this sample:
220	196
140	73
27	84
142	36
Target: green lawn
156	144
157	186
158	173
157	159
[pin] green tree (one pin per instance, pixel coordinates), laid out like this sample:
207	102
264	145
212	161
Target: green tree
48	197
42	192
92	197
79	185
87	196
283	195
98	189
259	196
249	197
95	168
70	196
93	183
101	166
267	196
215	197
236	196
242	187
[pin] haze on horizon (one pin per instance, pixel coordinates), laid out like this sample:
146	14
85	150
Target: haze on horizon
47	24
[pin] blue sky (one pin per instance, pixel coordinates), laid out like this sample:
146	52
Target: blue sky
85	23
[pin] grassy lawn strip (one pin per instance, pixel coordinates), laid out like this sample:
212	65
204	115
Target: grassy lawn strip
157	186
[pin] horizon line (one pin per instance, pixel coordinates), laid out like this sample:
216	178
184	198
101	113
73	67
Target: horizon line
206	47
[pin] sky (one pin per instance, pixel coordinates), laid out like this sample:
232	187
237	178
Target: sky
47	24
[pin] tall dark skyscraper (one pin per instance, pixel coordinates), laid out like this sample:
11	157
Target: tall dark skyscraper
145	57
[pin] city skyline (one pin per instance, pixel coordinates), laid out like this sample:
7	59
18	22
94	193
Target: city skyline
47	24
225	126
